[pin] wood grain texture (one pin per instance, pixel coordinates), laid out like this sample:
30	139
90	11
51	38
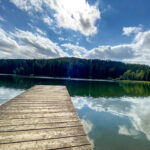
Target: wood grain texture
41	118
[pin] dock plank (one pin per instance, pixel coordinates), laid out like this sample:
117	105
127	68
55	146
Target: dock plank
11	128
42	117
51	144
34	115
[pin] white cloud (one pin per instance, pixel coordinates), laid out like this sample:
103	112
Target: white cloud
29	5
6	44
40	31
142	47
41	45
47	20
130	30
24	44
77	15
80	16
142	40
119	52
37	30
77	51
137	51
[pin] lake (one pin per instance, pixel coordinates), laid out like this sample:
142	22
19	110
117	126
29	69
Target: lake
116	116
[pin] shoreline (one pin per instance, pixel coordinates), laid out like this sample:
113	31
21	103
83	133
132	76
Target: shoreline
133	81
77	79
59	78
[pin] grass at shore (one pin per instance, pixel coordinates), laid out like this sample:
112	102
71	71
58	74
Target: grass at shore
134	81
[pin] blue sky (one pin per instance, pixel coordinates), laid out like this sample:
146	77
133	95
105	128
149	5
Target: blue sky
94	29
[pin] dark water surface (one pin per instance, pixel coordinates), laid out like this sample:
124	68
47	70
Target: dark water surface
116	116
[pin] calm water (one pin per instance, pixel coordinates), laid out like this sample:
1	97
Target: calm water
116	116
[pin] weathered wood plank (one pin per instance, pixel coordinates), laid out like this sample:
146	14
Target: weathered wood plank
24	107
42	117
38	110
35	115
41	134
68	142
12	128
37	120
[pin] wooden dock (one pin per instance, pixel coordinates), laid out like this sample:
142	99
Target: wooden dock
41	118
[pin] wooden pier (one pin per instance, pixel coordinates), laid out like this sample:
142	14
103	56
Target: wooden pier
41	118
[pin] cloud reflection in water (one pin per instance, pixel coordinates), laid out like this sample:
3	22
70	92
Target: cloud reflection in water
8	93
137	109
88	128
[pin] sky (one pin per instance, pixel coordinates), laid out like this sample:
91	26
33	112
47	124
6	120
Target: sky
116	30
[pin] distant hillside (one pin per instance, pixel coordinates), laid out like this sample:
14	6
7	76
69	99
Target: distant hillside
75	68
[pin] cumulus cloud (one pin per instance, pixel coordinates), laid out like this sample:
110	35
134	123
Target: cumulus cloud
142	40
37	30
131	30
29	5
76	50
138	51
24	44
119	52
77	15
42	45
7	44
142	47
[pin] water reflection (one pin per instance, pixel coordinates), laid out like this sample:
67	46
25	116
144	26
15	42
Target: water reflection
88	128
81	88
124	130
133	111
8	93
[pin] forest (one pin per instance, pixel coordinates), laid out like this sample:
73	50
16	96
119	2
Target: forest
75	68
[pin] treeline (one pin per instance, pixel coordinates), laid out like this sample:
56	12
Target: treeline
137	75
75	68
